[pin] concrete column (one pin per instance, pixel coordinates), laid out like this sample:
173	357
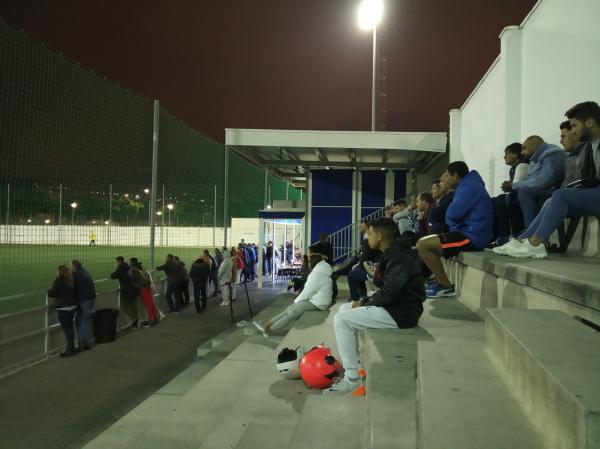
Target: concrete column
455	135
511	51
307	210
390	180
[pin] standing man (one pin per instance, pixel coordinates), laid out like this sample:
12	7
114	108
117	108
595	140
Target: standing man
92	238
269	258
85	292
397	304
200	273
127	291
174	276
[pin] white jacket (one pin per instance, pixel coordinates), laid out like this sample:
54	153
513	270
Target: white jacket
225	270
318	288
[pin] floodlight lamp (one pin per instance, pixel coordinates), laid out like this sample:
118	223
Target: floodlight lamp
370	13
29	220
146	191
74	205
159	213
269	206
107	222
47	221
170	206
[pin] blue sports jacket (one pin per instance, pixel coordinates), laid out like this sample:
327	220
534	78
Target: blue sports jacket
546	168
470	212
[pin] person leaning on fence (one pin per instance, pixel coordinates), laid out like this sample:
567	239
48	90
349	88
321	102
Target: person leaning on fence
174	276
140	279
397	304
316	295
200	272
213	266
128	292
62	298
184	283
85	291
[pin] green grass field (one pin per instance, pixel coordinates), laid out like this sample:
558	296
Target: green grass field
27	271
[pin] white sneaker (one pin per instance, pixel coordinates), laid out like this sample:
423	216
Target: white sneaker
527	250
343	386
261	327
504	249
224	303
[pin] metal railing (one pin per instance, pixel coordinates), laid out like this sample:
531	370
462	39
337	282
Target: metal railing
344	242
33	335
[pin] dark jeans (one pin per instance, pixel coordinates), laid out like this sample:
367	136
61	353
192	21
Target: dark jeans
269	266
200	295
251	271
508	217
357	282
185	291
65	318
173	291
531	201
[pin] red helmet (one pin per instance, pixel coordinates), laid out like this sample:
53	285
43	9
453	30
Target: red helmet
318	368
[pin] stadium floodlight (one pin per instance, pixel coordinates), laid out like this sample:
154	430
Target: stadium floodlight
94	222
74	205
269	206
159	213
47	221
146	191
370	13
29	220
170	206
107	222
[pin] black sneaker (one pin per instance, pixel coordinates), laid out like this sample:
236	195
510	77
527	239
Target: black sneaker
145	323
68	353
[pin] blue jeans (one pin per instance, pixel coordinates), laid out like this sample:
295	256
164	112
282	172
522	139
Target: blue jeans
65	318
531	200
356	282
82	320
269	266
564	203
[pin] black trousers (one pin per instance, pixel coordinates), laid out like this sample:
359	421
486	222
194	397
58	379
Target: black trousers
508	217
200	296
185	291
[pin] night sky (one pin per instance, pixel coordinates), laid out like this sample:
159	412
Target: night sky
288	64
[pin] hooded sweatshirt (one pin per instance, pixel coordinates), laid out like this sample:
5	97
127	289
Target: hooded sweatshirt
471	211
546	168
318	288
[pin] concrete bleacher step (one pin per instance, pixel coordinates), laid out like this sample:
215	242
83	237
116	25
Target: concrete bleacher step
552	364
331	421
464	403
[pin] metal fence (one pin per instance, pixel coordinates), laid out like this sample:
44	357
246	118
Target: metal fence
90	171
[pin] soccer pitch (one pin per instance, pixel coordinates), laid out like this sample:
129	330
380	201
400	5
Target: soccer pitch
27	271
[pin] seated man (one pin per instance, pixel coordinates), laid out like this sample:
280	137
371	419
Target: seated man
546	171
425	203
508	218
469	218
583	201
397	304
437	214
436	190
358	276
400	215
316	295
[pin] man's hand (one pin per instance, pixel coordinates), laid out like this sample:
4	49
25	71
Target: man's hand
507	186
355	304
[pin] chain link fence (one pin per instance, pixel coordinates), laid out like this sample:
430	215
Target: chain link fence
76	174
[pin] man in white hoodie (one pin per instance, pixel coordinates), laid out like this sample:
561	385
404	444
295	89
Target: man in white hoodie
316	295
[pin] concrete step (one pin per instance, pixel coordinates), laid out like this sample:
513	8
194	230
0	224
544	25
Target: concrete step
330	421
463	402
561	282
552	363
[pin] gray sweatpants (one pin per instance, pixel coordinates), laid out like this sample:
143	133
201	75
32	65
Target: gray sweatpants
292	312
345	324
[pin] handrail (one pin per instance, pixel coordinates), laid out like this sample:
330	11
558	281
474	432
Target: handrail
342	240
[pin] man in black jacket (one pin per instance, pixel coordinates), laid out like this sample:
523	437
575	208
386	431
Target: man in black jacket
85	291
174	275
128	292
397	304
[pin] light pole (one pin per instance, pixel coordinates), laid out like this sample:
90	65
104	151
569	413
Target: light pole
370	13
73	207
147	192
170	207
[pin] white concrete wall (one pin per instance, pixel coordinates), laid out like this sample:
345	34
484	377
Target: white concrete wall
110	235
546	65
244	228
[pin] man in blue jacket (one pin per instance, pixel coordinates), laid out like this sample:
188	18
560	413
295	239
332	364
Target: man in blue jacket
469	218
546	171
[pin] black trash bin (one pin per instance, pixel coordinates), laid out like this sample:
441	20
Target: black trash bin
105	325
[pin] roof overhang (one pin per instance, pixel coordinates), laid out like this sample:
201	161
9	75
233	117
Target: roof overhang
289	153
